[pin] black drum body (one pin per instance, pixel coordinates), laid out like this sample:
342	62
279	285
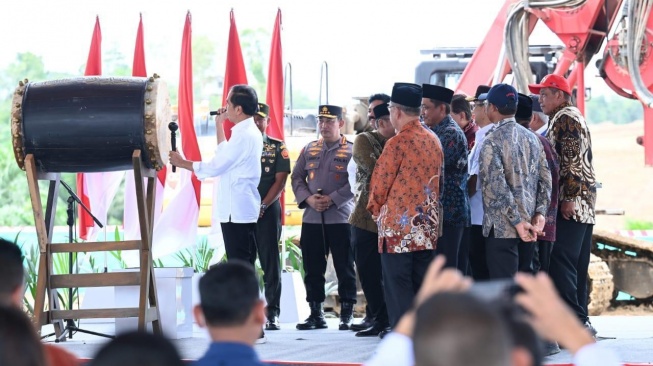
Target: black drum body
91	124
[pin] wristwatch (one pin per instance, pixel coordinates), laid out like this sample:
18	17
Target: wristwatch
263	206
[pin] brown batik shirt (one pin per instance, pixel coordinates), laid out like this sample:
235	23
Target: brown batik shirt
570	137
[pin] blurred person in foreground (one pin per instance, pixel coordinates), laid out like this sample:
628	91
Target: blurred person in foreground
137	349
232	311
416	338
12	290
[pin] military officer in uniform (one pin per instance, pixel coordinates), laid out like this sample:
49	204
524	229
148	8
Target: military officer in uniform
275	168
321	186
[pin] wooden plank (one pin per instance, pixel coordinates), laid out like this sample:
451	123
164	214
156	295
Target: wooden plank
102	313
37	206
95	280
37	209
151	285
100	246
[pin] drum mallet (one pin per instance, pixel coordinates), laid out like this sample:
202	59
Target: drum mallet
173	127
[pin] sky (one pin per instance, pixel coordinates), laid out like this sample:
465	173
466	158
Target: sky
368	45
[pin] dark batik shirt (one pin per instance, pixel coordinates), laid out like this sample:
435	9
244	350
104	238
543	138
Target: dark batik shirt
455	201
571	139
515	178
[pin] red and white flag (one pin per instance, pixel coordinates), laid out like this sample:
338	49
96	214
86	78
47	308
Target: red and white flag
275	92
131	225
235	73
96	190
176	226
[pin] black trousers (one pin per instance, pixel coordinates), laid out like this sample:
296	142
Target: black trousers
542	257
368	264
403	274
449	244
526	252
463	252
502	256
477	257
238	240
314	254
570	261
268	233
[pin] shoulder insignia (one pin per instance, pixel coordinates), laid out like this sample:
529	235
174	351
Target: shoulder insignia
284	153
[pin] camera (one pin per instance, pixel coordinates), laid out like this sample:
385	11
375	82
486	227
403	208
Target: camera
503	289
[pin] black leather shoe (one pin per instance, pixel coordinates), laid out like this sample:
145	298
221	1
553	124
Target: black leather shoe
346	315
372	331
272	323
365	324
315	320
384	332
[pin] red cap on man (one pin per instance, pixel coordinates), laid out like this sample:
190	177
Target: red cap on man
551	81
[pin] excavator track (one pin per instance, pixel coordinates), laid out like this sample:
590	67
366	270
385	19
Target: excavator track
630	264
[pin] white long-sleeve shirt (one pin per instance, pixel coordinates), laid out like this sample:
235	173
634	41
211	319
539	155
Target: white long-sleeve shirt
476	201
238	163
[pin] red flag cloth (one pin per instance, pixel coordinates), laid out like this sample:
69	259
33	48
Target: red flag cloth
275	93
138	69
93	67
185	105
235	73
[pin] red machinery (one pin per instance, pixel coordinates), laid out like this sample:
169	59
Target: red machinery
582	26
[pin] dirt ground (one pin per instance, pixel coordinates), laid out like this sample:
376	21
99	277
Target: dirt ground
619	165
635	310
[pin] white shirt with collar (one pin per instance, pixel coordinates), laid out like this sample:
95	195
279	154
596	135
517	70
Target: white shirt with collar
473	167
542	130
238	163
351	171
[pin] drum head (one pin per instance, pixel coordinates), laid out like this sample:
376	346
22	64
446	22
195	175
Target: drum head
157	118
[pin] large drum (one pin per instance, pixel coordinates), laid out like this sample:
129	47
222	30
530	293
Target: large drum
91	124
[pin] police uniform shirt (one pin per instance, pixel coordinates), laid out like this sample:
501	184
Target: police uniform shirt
275	159
322	167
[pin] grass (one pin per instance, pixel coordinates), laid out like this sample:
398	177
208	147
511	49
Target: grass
638	225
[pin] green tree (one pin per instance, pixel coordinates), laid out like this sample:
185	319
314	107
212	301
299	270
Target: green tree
256	47
613	109
206	76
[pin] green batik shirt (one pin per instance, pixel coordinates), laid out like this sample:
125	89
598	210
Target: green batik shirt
275	159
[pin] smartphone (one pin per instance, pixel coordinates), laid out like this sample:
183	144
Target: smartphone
503	289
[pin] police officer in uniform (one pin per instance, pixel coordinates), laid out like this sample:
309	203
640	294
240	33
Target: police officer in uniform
275	167
322	165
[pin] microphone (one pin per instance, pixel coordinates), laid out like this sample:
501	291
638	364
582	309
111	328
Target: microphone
217	112
173	127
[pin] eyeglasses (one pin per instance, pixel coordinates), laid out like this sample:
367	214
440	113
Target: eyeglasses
391	106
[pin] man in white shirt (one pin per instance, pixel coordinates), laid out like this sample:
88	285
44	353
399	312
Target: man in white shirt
477	260
238	164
